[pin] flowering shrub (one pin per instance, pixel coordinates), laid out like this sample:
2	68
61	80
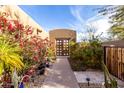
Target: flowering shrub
36	48
33	48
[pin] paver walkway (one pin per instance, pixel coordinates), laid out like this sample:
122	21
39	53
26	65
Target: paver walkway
61	75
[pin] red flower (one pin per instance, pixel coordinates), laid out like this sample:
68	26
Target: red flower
26	78
20	27
29	31
16	36
35	58
16	22
4	20
10	27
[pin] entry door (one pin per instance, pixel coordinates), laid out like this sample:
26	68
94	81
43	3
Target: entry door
62	47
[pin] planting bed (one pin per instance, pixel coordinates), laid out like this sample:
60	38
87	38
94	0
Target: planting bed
92	85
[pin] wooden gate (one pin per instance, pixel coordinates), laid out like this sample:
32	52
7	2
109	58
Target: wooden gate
62	47
114	59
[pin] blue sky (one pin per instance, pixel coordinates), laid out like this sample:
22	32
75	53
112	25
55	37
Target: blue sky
62	16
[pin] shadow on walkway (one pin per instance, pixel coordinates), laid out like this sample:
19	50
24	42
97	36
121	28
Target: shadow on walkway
61	75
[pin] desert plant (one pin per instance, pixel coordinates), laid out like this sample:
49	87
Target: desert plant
110	82
9	55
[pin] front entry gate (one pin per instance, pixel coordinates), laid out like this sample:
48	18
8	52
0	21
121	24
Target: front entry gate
62	47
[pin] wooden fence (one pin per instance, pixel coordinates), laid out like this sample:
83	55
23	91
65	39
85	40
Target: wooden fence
114	60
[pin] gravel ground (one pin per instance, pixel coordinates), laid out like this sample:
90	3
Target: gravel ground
96	79
38	81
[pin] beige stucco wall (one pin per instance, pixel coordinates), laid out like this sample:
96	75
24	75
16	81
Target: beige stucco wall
61	33
17	13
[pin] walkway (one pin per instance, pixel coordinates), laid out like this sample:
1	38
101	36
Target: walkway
61	75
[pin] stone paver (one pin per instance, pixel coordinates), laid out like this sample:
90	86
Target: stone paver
61	75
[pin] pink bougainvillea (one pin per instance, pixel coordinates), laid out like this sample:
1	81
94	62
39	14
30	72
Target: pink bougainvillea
33	46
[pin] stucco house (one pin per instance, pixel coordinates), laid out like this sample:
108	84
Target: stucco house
60	40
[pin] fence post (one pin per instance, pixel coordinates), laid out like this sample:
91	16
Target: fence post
104	55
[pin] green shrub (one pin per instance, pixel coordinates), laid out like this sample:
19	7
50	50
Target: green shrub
51	53
86	54
10	58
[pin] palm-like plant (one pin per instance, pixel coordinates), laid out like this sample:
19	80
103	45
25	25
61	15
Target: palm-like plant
9	55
